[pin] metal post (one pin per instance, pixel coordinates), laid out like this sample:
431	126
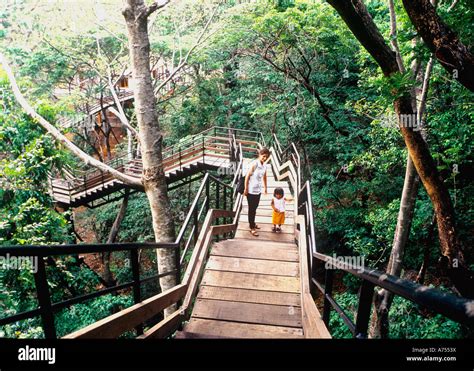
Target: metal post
363	311
327	292
44	300
225	207
177	263
217	205
203	151
136	283
208	198
196	221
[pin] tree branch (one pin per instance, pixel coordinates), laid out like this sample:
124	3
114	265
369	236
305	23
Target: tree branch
53	131
451	53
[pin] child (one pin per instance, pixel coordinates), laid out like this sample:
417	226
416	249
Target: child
278	206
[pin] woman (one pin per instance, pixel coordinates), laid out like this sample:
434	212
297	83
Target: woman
253	186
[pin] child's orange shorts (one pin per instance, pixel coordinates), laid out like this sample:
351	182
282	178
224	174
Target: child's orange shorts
278	218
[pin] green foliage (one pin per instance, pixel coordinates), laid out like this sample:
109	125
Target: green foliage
407	321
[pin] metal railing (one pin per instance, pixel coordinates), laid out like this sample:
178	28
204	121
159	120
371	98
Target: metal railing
449	305
215	141
211	189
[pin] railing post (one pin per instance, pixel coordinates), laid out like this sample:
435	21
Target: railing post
217	205
180	165
44	300
203	151
366	294
327	293
196	221
136	283
177	263
208	194
225	207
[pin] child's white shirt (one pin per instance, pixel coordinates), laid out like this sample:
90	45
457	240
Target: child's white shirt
279	204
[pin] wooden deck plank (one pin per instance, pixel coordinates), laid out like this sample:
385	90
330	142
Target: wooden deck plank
256	252
264	219
264	236
280	245
249	296
246	265
240	330
265	210
264	314
251	281
266	227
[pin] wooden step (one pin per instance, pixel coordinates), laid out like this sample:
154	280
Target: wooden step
212	328
264	236
251	281
249	295
266	220
247	265
263	314
265	227
253	250
266	211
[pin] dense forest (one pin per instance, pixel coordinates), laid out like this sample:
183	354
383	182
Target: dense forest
332	78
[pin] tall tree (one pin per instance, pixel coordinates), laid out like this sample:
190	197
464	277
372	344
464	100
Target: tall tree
356	16
136	15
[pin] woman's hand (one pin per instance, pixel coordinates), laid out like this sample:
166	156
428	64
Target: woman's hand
246	192
265	191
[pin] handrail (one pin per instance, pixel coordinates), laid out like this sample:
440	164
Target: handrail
451	306
454	307
47	308
173	157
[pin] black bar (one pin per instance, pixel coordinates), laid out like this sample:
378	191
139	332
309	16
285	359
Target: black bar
225	207
217	204
20	316
217	196
177	263
196	226
342	314
136	283
363	311
44	301
53	250
207	195
327	292
449	305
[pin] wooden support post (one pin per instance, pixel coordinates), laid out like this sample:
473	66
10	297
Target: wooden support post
44	300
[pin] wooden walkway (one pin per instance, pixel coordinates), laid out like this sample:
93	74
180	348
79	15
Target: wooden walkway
251	285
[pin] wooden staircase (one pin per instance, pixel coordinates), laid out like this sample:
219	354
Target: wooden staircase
210	152
251	286
241	287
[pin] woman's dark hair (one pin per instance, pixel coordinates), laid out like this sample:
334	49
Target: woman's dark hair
264	151
278	192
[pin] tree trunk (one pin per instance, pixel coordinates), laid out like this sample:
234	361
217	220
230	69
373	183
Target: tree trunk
108	277
451	53
136	16
383	298
355	15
